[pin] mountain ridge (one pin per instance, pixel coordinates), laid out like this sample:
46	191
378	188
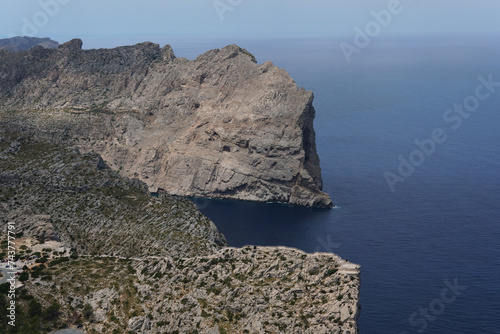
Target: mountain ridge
219	126
23	43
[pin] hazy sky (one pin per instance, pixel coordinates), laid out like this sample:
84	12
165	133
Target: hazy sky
113	21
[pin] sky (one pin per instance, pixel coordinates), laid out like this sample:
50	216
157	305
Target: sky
115	22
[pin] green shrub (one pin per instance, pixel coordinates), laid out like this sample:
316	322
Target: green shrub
34	308
331	272
24	276
52	312
87	311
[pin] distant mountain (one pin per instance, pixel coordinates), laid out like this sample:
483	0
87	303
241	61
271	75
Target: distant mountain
18	43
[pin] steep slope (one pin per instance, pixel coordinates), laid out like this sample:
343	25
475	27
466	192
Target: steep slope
53	193
219	126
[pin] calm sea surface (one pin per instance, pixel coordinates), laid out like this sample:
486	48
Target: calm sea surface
441	226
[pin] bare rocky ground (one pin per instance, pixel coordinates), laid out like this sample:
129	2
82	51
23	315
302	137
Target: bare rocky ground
247	290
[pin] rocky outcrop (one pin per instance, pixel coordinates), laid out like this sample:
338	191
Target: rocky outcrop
18	43
253	290
39	227
219	126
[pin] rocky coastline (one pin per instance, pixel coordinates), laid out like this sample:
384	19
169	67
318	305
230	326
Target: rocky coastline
87	135
219	126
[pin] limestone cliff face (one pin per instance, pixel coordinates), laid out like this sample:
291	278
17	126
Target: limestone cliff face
219	126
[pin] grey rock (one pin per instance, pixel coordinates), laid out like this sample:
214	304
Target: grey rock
219	126
39	227
138	324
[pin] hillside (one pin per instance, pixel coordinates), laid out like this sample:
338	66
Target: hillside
113	259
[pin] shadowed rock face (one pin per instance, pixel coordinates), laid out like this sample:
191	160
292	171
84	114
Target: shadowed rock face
219	126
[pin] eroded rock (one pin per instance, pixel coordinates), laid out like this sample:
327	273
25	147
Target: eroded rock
219	126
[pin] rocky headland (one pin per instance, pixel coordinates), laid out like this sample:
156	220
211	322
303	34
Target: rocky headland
126	262
219	126
87	135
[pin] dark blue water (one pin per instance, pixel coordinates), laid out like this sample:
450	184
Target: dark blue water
442	223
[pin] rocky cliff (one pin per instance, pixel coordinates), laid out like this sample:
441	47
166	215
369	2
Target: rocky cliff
219	126
140	264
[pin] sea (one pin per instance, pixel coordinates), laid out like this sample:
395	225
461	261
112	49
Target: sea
408	134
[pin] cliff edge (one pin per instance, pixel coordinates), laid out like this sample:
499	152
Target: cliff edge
219	126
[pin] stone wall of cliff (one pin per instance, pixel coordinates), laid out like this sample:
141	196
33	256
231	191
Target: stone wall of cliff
219	126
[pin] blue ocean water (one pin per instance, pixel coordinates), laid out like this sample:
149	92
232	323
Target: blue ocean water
441	226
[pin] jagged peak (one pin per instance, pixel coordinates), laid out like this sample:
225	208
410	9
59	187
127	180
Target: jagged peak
167	52
235	50
73	45
227	52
